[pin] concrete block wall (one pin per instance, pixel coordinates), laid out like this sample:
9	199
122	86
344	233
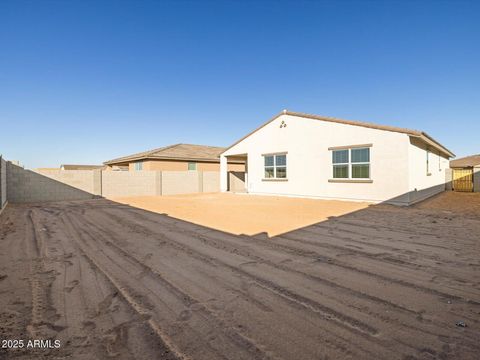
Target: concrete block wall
211	181
29	186
56	185
448	179
86	180
131	183
181	182
3	183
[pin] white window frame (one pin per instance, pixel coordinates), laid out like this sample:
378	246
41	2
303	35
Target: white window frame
138	165
428	162
275	166
350	163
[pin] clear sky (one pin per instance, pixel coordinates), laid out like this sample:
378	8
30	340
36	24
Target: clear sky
87	81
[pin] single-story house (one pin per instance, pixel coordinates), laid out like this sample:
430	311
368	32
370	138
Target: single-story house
297	154
466	173
178	157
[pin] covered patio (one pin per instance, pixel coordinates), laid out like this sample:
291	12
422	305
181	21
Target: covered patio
233	181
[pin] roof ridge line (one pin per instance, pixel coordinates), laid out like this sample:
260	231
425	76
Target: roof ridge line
358	122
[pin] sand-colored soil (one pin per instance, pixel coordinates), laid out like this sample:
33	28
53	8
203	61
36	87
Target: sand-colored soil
244	214
111	281
464	204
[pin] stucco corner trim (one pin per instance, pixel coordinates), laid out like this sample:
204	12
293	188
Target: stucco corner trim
360	181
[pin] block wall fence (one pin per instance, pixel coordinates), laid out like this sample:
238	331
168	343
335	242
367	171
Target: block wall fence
18	185
56	185
3	183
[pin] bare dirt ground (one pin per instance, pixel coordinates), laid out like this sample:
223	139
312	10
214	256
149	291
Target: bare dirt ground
112	281
244	214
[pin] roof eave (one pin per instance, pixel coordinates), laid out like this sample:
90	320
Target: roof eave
215	160
254	131
431	141
414	133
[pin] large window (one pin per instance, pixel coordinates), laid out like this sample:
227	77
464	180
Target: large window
275	166
353	163
138	165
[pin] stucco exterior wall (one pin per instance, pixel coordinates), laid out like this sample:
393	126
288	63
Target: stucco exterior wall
164	165
175	165
424	183
309	160
236	181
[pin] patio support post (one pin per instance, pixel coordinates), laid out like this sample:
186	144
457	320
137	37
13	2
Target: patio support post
223	174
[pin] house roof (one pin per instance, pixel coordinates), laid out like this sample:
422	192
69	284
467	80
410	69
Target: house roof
81	167
185	152
414	133
467	161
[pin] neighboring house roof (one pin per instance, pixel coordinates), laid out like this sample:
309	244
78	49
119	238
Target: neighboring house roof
185	152
81	167
467	161
414	133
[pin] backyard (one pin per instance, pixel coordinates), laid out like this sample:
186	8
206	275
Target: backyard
339	281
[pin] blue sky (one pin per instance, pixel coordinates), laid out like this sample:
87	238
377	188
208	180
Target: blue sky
87	81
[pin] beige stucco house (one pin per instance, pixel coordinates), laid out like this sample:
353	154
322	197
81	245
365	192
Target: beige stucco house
296	154
177	157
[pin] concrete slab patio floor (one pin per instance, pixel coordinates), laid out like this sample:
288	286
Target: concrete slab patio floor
244	214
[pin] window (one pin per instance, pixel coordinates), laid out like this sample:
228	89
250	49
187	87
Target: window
340	164
192	166
275	166
138	165
428	163
351	163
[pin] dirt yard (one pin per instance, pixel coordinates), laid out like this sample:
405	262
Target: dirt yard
244	214
113	281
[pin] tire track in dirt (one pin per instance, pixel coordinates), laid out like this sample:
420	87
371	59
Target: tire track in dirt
241	343
369	224
419	330
388	258
117	235
122	290
314	255
324	312
275	288
196	261
88	332
43	313
330	313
